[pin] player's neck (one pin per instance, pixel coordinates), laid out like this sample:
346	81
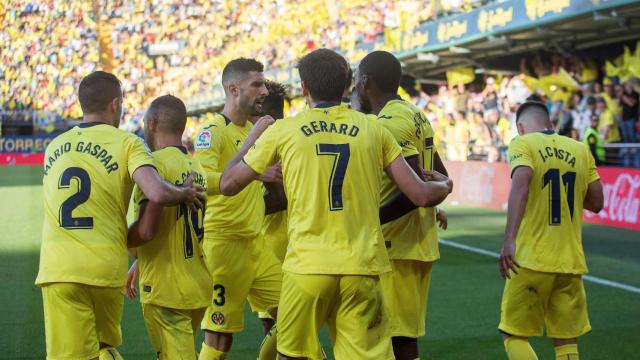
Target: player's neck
313	103
379	102
162	141
95	118
235	115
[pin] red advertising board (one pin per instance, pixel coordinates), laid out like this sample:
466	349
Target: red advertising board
621	199
9	159
487	185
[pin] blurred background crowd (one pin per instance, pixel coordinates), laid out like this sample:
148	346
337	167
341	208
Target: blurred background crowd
180	46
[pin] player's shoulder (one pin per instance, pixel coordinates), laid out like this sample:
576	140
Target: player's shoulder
398	108
215	126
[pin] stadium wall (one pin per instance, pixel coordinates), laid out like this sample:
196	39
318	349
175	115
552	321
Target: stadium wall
487	185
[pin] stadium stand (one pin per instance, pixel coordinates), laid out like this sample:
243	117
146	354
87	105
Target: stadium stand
179	47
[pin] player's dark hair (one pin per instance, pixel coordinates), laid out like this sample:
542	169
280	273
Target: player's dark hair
238	68
531	105
383	69
170	112
97	90
324	72
274	102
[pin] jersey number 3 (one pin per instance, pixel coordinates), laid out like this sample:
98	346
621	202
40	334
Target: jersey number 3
65	217
552	176
340	154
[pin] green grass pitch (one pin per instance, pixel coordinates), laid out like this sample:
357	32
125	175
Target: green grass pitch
464	303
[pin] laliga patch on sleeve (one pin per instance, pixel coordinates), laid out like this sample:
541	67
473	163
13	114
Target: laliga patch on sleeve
203	141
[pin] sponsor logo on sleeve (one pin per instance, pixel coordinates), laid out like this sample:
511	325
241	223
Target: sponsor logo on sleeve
203	141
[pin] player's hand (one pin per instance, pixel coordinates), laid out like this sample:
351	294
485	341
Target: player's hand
259	127
508	259
432	175
131	288
195	195
442	219
273	174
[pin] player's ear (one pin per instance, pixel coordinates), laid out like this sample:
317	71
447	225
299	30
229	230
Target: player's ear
305	90
233	89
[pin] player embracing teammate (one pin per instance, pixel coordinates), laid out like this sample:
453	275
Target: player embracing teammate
344	173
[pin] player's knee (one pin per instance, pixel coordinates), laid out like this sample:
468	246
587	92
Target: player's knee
267	324
562	342
218	340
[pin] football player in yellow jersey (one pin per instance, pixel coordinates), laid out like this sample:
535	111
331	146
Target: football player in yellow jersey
274	228
174	281
411	240
553	179
331	158
240	267
89	173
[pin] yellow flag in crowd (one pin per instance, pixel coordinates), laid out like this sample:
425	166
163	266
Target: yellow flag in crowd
461	75
589	72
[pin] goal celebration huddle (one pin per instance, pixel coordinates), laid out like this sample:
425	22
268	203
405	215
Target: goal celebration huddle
327	217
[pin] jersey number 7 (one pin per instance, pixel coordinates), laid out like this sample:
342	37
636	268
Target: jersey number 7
340	154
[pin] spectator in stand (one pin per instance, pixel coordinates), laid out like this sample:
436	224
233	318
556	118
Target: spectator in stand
607	125
569	116
629	101
461	99
584	117
593	139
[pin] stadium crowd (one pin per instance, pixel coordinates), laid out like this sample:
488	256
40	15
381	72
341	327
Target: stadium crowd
168	46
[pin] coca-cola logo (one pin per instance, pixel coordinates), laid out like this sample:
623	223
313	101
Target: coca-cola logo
621	200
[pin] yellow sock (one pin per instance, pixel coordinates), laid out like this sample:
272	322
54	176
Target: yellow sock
109	354
567	352
268	348
519	349
210	353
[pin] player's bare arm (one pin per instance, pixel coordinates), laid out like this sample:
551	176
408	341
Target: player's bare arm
421	193
438	165
160	191
594	200
275	199
237	175
517	204
399	204
146	227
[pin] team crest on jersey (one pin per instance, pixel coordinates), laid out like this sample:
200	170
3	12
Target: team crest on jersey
203	141
217	318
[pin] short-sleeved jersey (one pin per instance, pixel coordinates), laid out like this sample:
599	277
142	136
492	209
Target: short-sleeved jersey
332	162
87	186
173	272
238	216
413	236
550	235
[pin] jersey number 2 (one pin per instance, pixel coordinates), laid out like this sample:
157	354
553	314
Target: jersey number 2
65	217
552	176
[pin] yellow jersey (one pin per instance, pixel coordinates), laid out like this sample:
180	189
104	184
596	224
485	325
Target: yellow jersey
229	217
332	162
274	233
550	235
413	236
87	186
173	272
